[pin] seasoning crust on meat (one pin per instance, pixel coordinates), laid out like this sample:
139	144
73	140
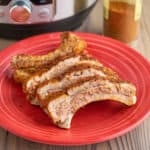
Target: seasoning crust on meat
67	79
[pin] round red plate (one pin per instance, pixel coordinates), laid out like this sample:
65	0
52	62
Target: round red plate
94	123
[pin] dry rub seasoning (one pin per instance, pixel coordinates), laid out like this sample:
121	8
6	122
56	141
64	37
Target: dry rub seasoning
121	19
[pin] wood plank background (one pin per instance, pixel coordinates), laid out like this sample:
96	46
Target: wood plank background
137	139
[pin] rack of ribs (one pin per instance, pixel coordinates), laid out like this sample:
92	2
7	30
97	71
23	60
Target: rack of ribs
67	79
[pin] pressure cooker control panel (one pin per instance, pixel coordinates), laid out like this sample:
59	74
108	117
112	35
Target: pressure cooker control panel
26	11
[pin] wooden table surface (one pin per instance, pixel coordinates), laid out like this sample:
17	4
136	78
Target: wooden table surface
137	139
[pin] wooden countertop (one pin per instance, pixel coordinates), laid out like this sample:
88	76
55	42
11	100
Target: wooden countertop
137	139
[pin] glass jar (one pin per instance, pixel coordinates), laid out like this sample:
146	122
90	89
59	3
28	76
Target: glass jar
121	19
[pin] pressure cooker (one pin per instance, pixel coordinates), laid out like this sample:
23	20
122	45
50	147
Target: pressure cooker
23	18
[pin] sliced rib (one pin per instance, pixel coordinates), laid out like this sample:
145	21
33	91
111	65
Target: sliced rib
78	73
22	75
71	44
34	81
62	106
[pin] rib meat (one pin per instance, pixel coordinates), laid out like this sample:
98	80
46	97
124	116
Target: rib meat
71	44
67	79
78	73
62	106
25	66
57	70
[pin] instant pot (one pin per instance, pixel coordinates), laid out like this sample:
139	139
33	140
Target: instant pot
22	18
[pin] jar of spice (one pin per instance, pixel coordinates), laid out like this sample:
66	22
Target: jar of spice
121	19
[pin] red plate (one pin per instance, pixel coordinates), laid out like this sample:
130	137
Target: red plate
96	122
